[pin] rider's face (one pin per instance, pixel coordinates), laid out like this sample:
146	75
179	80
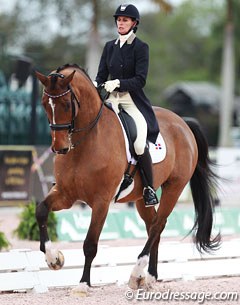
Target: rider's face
124	24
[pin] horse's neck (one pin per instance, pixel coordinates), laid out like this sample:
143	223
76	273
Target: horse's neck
90	104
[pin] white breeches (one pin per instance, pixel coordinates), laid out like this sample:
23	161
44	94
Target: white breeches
128	105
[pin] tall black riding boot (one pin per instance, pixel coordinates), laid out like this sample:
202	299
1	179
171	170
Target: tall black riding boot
145	167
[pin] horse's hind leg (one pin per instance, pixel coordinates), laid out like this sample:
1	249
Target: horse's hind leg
152	274
169	198
138	276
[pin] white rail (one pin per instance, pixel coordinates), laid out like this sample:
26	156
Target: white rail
26	270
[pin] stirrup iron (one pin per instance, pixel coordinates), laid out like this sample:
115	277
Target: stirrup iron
149	196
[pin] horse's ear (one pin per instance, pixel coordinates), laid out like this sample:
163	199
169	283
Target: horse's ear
43	79
65	81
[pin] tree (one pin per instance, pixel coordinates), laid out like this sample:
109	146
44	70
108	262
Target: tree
177	46
94	46
226	109
10	27
183	43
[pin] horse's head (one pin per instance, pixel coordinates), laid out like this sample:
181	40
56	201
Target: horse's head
61	106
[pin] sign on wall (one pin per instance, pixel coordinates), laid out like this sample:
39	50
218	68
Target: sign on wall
15	169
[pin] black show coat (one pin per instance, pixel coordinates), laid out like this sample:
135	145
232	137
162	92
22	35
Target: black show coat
129	64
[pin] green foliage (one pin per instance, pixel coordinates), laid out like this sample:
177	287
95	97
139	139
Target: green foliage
28	227
4	244
47	57
215	44
181	46
186	44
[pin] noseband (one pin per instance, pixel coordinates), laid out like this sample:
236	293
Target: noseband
71	126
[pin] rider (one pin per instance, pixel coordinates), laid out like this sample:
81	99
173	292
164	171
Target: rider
123	69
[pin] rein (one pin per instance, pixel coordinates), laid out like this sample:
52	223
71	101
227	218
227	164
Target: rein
89	127
71	126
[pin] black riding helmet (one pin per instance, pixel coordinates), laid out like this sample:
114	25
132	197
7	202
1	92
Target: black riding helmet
128	10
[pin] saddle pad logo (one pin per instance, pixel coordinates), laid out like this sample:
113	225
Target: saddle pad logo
158	146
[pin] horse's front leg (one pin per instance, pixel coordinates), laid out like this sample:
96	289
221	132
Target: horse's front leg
54	258
99	214
138	278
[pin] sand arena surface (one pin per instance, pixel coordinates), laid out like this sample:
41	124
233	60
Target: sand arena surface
172	293
116	295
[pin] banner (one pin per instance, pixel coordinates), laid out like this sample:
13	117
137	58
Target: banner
73	225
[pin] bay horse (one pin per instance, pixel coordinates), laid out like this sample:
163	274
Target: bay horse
91	160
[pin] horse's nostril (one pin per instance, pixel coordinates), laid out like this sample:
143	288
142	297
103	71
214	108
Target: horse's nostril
62	151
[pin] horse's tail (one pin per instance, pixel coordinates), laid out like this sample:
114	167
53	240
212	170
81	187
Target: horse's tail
203	185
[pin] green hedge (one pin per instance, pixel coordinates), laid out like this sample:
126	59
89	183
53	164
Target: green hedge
28	227
4	243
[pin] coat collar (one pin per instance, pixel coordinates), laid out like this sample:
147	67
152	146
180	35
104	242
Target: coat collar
129	40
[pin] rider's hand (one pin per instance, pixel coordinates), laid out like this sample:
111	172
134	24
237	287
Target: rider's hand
111	85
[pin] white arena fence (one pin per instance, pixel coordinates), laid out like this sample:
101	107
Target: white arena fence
26	270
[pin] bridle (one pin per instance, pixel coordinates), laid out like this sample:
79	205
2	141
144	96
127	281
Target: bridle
71	125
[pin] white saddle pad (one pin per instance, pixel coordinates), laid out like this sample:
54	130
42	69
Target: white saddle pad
157	150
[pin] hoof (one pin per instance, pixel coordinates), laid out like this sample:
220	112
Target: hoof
136	282
137	278
150	281
56	262
81	290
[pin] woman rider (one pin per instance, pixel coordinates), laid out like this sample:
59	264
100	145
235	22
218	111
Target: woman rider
123	69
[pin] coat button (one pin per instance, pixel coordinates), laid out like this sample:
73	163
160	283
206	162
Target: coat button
121	66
